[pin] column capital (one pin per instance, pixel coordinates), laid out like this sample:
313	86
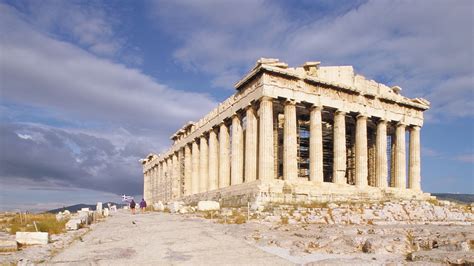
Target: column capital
266	98
316	107
415	127
362	116
401	124
290	102
342	112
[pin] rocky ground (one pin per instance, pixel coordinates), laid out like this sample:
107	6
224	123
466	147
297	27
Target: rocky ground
382	233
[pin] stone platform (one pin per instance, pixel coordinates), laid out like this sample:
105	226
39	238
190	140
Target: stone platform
301	192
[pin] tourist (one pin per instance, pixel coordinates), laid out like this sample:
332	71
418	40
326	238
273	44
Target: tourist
132	206
143	205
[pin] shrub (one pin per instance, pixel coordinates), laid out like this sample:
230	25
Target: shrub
45	222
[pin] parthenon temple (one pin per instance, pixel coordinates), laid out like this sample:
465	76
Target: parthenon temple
288	135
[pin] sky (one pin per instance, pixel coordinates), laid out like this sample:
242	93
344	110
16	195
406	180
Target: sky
87	88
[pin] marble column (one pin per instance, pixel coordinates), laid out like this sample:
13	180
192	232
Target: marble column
251	138
400	159
224	156
290	144
414	172
339	149
175	177
266	167
158	187
361	167
381	163
188	170
203	164
316	145
145	186
213	161
195	166
237	165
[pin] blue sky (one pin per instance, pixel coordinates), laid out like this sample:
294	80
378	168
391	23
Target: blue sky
90	87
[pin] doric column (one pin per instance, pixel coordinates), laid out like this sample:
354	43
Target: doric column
153	184
266	168
400	161
361	171
195	166
339	142
145	186
381	164
224	164
213	161
203	164
414	174
251	145
158	187
237	165
188	170
316	145
290	148
175	177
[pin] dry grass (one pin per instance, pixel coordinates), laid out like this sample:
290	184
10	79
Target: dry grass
45	222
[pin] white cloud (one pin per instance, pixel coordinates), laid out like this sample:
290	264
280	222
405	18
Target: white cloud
93	118
425	47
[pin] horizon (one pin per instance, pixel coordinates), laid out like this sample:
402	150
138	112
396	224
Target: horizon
90	87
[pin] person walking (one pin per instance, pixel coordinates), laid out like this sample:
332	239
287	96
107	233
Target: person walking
143	205
132	206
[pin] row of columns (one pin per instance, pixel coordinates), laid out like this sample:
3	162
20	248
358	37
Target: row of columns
216	159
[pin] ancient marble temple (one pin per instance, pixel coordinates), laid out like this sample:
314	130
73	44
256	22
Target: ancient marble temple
303	134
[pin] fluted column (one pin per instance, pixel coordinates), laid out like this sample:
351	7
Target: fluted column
158	187
316	145
145	186
361	171
339	142
213	161
251	145
400	153
195	166
290	148
266	168
175	177
381	164
203	164
414	174
224	164
153	184
237	165
187	170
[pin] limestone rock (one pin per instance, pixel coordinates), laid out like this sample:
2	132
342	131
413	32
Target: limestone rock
174	206
158	206
8	245
208	205
32	238
73	224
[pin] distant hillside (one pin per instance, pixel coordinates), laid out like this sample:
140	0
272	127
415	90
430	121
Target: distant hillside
463	198
77	207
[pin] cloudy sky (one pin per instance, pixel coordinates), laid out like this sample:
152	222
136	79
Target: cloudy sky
87	88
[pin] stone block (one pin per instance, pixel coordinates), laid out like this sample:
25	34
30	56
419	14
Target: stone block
158	206
73	224
8	245
174	206
32	238
105	212
85	209
98	208
208	205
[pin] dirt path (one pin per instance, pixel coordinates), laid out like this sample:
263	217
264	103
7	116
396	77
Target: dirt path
162	238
